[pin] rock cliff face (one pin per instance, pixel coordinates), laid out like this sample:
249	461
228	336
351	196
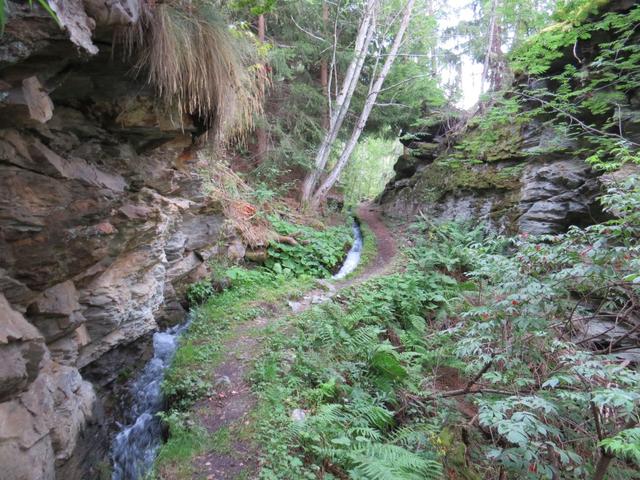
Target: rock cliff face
532	178
521	191
100	224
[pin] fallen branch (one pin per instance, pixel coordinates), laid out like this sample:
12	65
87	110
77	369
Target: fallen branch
470	384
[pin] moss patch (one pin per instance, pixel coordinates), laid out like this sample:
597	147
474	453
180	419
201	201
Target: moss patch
450	175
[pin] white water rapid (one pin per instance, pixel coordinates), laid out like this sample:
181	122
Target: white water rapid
134	448
353	257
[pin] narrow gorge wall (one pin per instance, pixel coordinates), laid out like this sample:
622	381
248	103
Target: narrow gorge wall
531	177
519	191
100	224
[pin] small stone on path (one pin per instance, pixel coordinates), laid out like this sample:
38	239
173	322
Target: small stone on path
298	415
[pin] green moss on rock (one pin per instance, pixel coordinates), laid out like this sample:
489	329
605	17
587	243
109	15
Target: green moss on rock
444	177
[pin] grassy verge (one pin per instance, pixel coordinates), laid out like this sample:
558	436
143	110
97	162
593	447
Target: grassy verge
225	317
190	377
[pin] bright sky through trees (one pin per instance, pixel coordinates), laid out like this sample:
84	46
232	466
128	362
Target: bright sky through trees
470	72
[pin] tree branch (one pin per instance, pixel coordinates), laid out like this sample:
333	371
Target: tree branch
573	118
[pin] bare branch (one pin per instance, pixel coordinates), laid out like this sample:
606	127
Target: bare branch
573	118
311	34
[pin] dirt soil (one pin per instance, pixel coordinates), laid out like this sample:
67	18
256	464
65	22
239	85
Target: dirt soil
233	400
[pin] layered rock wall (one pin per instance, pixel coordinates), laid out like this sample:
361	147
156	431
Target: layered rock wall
521	191
532	177
100	224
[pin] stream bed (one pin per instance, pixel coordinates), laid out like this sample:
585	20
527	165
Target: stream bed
353	256
134	448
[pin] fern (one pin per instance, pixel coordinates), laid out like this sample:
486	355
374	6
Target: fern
363	339
625	444
386	361
391	462
414	435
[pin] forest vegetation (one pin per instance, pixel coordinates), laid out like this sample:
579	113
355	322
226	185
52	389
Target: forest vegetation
472	354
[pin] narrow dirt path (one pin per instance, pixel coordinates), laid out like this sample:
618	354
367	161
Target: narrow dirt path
385	245
233	399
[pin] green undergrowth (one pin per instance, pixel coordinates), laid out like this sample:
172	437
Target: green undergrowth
317	253
463	364
217	317
350	365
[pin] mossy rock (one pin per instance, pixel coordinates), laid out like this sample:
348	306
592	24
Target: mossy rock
497	143
455	459
443	177
423	149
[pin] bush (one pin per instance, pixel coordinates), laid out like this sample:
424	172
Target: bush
200	292
317	254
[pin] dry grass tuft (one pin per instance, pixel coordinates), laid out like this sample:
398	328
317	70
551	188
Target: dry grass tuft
197	64
242	216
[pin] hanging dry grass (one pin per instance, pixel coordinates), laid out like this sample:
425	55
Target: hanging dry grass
197	64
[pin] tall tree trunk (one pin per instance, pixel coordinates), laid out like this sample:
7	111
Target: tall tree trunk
370	101
493	68
363	39
261	132
324	68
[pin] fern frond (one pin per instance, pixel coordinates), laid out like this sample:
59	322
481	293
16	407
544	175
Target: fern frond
391	462
364	339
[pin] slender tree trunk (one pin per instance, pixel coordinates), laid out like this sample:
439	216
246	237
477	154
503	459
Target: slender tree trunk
370	101
261	133
324	68
363	39
602	466
494	65
487	57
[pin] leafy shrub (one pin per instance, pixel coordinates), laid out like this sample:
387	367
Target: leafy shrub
199	292
548	402
317	254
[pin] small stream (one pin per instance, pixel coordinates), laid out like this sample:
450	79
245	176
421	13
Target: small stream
353	257
134	448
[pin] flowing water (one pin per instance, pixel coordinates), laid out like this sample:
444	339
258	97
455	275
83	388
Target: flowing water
353	257
134	448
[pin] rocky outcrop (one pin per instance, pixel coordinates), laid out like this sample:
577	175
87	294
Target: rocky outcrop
101	224
535	187
516	175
